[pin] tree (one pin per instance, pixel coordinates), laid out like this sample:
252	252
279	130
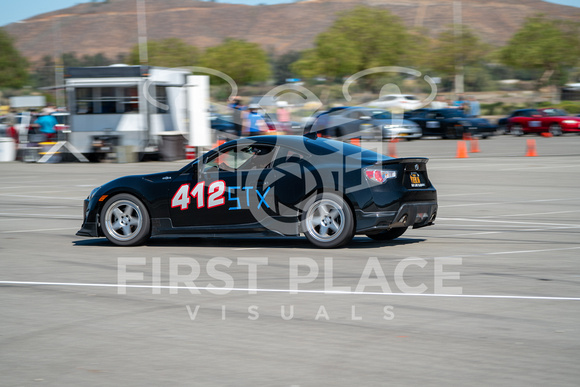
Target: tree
13	73
281	66
170	52
551	46
332	57
43	74
359	39
466	51
245	62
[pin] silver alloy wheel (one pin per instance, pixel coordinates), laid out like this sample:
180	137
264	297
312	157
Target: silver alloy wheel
517	130
123	220
555	130
325	220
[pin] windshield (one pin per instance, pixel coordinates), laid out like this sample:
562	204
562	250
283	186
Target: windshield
555	112
453	113
383	115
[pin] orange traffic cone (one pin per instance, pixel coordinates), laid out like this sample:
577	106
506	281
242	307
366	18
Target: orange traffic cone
392	148
461	150
474	146
355	141
531	149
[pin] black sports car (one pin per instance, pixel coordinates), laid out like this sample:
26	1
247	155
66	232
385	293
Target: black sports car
284	185
450	123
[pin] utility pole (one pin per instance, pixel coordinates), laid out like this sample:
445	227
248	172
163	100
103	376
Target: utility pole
58	65
457	23
142	32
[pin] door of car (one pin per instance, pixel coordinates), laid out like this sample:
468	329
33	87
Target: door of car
227	189
431	123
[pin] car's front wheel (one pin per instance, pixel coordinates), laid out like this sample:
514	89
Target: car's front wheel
556	130
125	220
327	221
387	235
517	130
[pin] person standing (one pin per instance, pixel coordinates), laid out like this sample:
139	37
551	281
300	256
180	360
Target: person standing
238	108
283	116
439	103
254	121
474	107
46	123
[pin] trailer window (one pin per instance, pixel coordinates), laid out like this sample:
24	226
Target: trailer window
158	98
106	100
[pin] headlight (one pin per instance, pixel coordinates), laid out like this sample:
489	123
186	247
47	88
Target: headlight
93	192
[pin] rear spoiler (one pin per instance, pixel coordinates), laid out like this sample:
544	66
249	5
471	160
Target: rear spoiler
405	160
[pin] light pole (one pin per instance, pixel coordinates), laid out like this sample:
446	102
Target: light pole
457	22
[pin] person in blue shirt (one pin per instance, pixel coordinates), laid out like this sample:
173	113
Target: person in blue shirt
254	121
474	108
460	103
46	123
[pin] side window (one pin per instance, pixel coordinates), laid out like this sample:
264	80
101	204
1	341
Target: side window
242	158
286	155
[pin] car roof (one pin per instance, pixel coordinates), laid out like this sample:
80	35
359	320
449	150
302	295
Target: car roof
314	145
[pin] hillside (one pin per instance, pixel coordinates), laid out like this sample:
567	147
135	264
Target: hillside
111	27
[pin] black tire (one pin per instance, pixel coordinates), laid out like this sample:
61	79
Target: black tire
388	235
555	129
125	220
451	133
327	221
517	130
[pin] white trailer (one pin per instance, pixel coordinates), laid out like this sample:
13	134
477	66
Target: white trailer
124	105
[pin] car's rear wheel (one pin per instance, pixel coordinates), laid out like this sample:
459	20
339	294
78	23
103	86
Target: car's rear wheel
125	220
517	130
388	235
327	221
555	130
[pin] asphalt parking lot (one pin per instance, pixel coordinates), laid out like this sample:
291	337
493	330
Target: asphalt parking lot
490	295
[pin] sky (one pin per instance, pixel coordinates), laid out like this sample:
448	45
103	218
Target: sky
14	11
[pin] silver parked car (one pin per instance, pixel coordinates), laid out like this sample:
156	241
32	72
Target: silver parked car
363	122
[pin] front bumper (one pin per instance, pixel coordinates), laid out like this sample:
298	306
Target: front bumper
90	228
416	215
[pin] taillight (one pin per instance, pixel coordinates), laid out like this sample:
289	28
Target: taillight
379	175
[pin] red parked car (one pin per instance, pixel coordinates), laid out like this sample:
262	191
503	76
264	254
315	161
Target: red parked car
547	120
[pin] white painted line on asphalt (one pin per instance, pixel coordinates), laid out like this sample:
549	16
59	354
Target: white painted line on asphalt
465	194
557	166
42	197
37	230
37	215
471	234
532	251
527	214
502	203
509	222
335	292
